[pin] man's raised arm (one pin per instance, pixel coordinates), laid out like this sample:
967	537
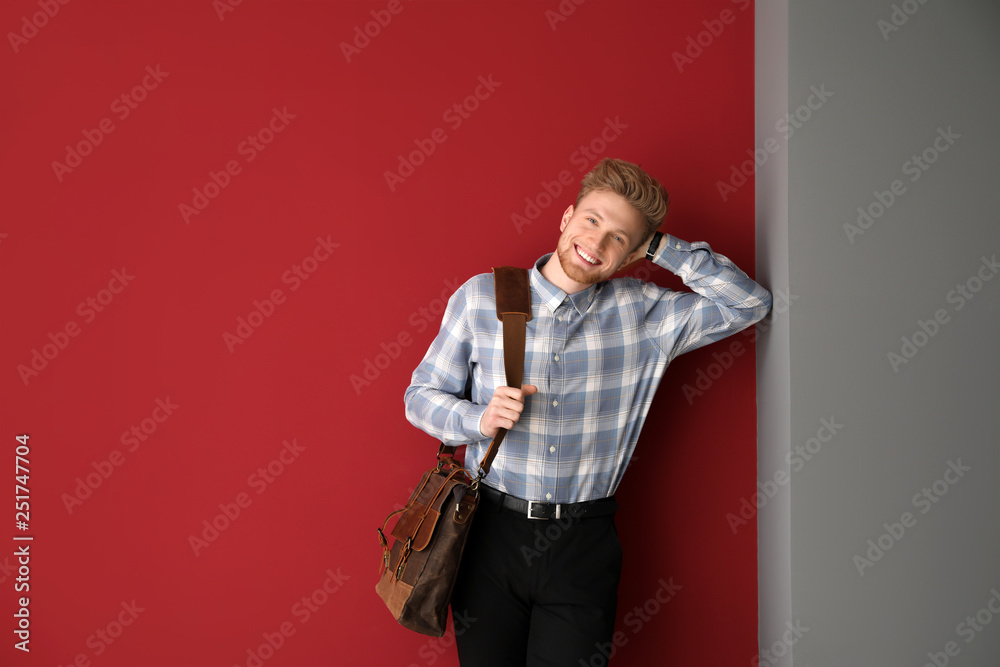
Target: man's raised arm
725	299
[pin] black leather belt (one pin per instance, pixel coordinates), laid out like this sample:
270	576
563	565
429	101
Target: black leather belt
537	510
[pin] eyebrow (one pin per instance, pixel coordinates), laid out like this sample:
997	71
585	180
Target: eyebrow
601	218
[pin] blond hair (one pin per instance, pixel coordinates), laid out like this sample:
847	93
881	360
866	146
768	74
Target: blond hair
628	180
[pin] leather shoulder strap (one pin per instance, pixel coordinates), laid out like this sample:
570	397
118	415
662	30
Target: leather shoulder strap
513	294
513	297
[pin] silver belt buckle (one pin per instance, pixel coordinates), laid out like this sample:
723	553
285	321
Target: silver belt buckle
531	503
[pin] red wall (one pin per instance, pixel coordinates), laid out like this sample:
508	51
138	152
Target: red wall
116	574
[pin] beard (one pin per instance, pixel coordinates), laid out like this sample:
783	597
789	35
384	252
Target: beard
573	271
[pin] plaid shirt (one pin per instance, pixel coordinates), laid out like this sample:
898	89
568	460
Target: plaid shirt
596	356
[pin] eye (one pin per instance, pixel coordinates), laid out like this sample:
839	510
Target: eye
592	220
619	239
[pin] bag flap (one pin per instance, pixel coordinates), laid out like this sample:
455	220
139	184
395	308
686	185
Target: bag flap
424	510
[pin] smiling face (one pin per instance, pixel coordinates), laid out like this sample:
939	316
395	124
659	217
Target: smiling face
598	237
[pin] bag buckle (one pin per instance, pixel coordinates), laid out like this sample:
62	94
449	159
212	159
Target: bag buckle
532	503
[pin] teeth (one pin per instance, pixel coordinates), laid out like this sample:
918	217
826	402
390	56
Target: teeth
587	257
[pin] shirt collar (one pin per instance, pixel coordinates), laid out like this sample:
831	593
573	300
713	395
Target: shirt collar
553	297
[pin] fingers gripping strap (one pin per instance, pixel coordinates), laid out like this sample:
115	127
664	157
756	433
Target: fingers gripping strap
514	326
513	299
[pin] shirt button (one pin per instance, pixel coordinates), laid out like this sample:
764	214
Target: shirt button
552	449
548	496
557	357
555	403
678	246
559	318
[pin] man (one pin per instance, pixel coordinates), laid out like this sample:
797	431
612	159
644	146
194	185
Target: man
595	352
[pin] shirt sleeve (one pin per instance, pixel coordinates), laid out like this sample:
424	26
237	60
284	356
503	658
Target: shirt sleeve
723	301
435	400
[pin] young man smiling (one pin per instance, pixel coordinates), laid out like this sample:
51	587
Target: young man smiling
596	349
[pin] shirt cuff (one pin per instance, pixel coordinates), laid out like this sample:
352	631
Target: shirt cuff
671	247
473	422
681	257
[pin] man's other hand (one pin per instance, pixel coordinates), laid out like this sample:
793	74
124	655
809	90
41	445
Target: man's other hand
505	408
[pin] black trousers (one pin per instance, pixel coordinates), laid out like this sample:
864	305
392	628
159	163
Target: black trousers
533	593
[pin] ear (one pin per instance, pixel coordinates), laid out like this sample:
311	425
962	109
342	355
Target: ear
637	254
634	257
567	214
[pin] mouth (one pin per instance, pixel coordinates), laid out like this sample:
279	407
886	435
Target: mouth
586	257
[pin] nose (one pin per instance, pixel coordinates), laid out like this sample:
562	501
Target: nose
600	242
591	235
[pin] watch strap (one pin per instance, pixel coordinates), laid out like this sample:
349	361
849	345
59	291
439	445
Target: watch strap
653	245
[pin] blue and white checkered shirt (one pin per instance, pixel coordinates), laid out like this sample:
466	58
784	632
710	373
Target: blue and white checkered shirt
596	356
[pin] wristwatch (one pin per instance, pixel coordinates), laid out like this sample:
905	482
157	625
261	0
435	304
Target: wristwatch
653	245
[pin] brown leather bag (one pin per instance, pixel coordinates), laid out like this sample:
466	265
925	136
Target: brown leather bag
430	534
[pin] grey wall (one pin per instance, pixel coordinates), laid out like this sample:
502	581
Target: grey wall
904	449
773	357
